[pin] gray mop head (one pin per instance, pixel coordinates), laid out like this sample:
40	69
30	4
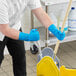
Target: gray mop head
49	52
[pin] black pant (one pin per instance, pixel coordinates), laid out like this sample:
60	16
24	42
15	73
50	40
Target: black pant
17	51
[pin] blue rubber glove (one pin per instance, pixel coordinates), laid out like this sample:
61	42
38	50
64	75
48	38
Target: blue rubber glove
32	36
60	35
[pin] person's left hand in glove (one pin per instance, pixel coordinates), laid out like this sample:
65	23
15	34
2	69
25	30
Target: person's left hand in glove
60	35
48	23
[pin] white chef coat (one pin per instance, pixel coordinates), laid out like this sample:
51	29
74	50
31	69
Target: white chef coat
11	11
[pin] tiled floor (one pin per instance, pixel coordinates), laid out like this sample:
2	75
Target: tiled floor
66	54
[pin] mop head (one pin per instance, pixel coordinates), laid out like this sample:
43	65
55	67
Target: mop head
49	52
47	67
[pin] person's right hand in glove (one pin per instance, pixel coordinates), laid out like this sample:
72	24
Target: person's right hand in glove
32	36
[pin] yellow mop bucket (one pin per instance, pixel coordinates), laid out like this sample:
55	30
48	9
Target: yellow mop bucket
67	72
47	67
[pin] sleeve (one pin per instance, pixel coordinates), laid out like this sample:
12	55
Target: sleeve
4	18
33	4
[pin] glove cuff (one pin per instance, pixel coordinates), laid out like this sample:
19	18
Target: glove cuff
23	36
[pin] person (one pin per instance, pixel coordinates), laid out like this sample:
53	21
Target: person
11	33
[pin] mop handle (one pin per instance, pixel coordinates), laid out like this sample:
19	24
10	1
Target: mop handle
62	29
